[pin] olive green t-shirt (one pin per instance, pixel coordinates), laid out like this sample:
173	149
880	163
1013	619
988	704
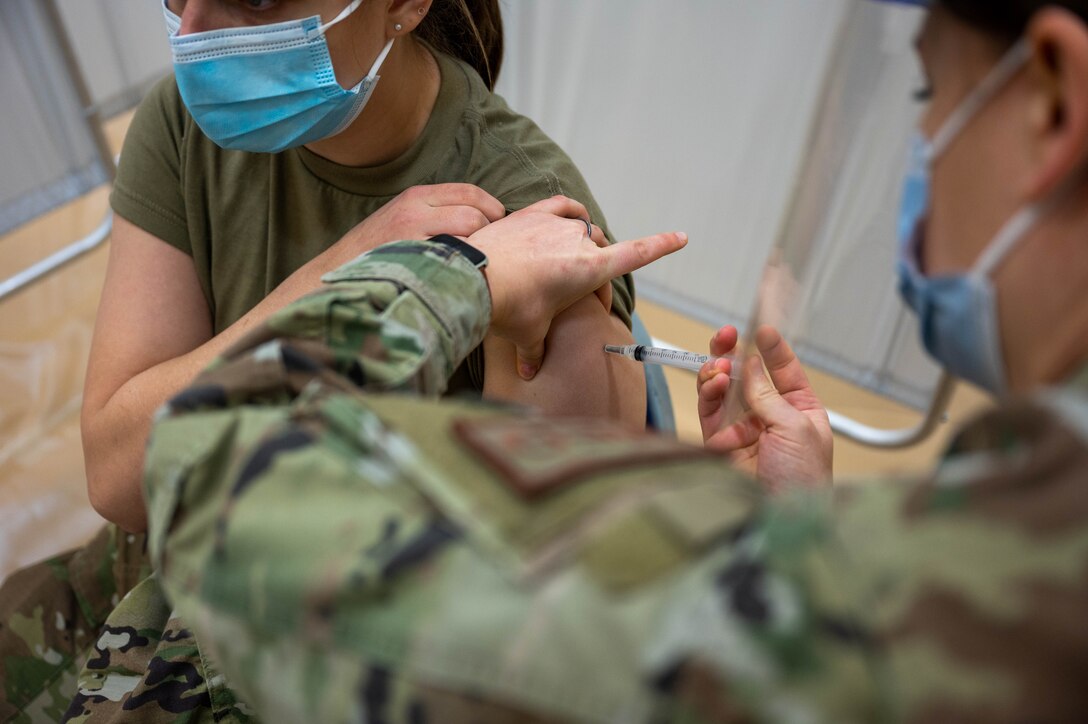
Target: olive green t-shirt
249	220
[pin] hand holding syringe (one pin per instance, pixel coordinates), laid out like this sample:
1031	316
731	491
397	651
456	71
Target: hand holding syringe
667	357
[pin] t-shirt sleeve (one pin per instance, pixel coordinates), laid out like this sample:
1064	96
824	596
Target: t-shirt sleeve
148	189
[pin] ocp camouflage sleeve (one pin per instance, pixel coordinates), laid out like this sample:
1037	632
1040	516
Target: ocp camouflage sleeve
973	585
401	317
341	555
346	556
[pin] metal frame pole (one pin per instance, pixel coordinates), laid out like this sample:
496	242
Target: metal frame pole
905	437
90	111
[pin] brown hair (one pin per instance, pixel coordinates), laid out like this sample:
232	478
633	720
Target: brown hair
1007	20
467	29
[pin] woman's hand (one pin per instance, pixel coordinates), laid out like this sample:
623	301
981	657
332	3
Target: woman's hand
541	261
784	439
417	213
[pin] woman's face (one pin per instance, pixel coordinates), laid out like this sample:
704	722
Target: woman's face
976	184
354	43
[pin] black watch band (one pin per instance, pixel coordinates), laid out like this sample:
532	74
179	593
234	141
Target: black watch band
476	257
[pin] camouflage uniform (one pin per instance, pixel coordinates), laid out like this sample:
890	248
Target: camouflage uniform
346	556
50	616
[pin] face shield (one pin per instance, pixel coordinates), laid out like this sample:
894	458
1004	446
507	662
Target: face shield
829	284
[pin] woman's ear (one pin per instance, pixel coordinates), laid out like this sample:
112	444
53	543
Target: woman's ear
1059	97
407	14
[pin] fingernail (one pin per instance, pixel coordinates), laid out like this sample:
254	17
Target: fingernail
682	236
528	371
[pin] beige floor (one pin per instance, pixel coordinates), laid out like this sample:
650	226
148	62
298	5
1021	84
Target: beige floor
44	340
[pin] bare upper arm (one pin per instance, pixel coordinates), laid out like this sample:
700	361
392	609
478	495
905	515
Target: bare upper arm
152	310
577	378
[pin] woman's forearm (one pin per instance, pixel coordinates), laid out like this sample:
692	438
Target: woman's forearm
115	435
115	432
115	427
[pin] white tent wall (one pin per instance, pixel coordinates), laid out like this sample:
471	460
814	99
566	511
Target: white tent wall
686	115
51	151
121	48
48	153
700	116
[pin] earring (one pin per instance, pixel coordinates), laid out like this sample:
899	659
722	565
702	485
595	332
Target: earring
398	27
421	11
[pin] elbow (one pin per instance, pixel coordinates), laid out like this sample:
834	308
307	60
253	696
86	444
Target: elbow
113	487
108	500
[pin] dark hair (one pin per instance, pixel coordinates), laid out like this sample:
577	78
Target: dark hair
467	29
1007	19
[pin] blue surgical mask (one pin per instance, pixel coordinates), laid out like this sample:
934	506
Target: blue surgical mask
266	88
958	312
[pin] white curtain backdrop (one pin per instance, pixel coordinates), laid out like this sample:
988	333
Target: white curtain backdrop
748	125
121	47
47	151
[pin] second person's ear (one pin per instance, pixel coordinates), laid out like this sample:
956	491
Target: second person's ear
1058	117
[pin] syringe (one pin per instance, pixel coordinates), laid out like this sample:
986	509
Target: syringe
665	357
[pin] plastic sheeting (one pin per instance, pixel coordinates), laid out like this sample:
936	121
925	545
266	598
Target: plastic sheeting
45	334
835	257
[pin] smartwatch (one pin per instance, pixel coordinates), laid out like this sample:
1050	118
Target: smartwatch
476	257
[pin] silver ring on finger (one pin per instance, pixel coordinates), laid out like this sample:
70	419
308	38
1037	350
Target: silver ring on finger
589	227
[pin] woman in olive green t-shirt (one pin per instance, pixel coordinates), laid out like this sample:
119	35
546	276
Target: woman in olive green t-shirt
209	240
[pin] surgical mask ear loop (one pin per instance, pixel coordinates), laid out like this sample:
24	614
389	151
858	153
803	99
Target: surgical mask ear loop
373	72
343	14
1015	59
1013	230
1022	222
1025	219
373	77
1001	74
381	56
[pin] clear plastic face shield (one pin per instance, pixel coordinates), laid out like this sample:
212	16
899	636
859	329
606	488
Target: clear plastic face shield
829	284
